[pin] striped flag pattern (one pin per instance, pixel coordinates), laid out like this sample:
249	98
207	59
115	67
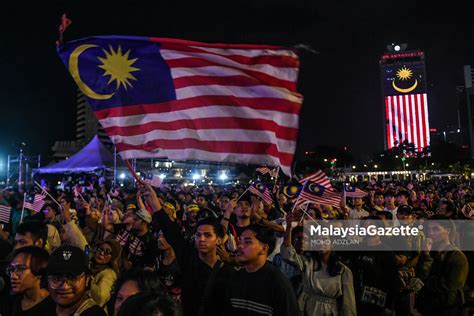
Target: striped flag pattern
327	196
234	103
352	191
259	189
318	177
35	201
5	212
407	120
153	180
266	170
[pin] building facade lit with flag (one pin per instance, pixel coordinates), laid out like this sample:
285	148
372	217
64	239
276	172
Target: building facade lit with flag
405	99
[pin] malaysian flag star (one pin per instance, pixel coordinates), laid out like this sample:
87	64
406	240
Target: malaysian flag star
34	201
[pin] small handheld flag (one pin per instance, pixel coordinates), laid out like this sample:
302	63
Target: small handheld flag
259	189
153	180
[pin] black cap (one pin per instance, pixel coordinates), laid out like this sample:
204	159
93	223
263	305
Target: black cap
68	260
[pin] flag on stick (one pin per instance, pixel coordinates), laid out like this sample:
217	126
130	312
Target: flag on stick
353	191
316	193
5	212
259	189
153	180
320	178
266	170
34	201
185	100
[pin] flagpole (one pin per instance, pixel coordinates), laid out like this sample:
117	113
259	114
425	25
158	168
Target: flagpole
276	179
242	194
127	162
23	208
44	191
299	196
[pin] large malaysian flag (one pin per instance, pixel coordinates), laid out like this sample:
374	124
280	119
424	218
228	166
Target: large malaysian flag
187	100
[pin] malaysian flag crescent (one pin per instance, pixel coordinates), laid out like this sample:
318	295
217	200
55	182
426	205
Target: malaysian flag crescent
183	100
318	177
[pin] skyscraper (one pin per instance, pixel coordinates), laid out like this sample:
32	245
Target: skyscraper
405	98
87	125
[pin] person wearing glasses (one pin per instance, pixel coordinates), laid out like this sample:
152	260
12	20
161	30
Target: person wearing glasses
105	265
26	270
69	280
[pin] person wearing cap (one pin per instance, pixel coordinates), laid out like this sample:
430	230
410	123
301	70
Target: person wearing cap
190	222
105	266
69	280
141	246
120	231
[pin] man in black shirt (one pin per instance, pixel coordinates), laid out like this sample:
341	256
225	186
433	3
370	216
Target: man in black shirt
69	280
141	249
198	267
257	289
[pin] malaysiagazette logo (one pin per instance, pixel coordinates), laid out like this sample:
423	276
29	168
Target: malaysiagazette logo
363	231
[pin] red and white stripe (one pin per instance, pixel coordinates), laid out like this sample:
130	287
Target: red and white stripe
318	177
5	212
327	198
265	195
407	119
234	103
38	202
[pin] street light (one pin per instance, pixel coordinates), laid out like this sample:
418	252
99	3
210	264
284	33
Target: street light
375	166
353	167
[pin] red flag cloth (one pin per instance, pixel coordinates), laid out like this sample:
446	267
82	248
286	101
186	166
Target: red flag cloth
65	22
320	178
182	100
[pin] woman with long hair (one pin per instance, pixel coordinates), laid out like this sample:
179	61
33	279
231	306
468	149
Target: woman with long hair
105	266
327	283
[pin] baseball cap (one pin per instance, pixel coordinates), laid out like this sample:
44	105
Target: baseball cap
192	208
131	206
144	215
68	260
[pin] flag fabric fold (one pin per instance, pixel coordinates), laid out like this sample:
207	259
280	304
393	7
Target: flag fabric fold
34	201
261	190
320	178
182	100
5	212
153	180
353	191
292	190
316	193
266	170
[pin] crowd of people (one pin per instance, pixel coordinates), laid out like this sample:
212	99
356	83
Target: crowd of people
221	250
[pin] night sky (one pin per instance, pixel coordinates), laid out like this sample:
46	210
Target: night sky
341	85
